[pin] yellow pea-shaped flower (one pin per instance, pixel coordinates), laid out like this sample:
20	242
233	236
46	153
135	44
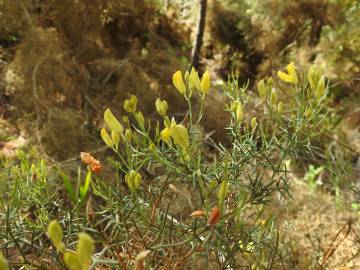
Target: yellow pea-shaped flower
205	83
112	122
320	89
137	180
161	106
292	72
106	138
165	134
115	136
313	76
85	249
291	76
194	81
130	104
180	135
55	233
179	82
239	112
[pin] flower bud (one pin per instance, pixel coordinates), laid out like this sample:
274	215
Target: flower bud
161	106
55	233
130	104
313	75
85	249
205	83
239	112
140	118
262	89
180	135
115	136
128	135
179	83
223	190
320	89
106	138
194	81
186	76
137	180
253	123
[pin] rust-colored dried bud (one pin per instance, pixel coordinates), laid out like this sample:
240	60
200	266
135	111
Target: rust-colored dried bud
85	157
214	216
197	213
94	164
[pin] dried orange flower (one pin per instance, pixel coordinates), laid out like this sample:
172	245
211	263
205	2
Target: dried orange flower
214	216
94	164
197	213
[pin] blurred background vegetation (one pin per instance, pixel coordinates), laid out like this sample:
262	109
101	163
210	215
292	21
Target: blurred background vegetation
62	63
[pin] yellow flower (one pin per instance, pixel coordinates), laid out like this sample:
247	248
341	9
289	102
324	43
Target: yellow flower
205	83
179	82
85	249
106	138
130	104
313	75
165	134
194	81
112	122
133	180
180	135
55	233
291	76
320	89
161	106
115	136
239	112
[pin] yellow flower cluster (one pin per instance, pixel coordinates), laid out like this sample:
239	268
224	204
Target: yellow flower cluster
177	132
193	81
133	180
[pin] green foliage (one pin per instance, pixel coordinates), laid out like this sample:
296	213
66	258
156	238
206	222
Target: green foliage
223	199
311	177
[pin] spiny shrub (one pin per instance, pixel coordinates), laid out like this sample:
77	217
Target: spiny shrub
178	199
226	219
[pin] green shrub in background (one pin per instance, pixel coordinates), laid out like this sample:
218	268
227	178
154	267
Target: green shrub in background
173	201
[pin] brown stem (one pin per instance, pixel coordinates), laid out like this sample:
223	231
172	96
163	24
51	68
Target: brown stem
199	34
